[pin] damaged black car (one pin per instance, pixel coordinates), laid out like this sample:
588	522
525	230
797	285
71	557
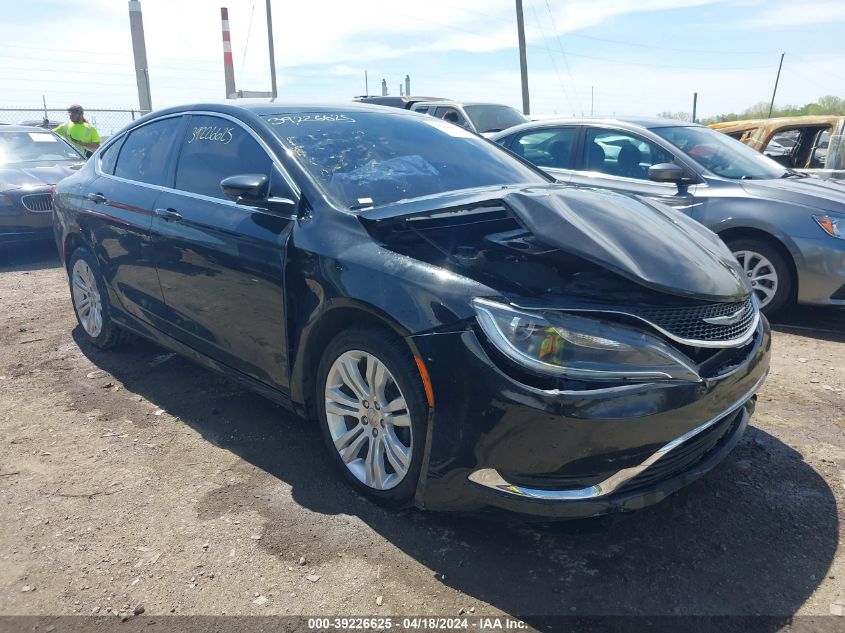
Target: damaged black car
467	334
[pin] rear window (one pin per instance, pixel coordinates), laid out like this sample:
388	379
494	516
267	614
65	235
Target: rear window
365	159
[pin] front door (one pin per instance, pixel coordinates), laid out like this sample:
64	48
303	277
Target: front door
619	160
221	264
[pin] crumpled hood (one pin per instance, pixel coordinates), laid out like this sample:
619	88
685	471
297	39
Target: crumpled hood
650	244
33	176
809	192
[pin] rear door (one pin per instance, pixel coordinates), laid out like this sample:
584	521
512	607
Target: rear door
119	205
553	149
221	263
619	160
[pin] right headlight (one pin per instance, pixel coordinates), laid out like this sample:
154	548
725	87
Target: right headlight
578	347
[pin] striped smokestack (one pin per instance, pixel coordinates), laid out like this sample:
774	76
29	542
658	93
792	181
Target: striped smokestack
228	65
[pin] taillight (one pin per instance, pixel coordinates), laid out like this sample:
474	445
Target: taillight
53	192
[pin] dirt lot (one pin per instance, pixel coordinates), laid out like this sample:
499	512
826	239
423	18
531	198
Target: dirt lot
136	478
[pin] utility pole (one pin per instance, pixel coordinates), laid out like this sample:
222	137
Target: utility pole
272	52
366	85
407	85
592	100
694	105
139	49
775	91
523	61
228	64
384	87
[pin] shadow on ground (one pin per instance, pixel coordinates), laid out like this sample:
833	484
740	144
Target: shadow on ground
825	323
756	536
37	256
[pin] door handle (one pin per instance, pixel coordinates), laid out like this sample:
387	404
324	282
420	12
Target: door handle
96	198
168	214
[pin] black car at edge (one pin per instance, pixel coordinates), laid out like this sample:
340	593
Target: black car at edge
467	333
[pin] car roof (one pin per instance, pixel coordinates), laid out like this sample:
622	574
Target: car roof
632	123
25	128
264	108
783	121
449	102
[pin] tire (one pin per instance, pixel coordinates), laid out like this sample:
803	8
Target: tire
354	424
767	270
90	300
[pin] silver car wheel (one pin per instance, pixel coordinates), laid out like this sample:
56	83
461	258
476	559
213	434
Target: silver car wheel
368	420
86	298
761	274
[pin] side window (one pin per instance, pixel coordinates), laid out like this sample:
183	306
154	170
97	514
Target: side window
621	154
108	159
214	149
422	110
547	147
782	144
145	154
441	113
820	152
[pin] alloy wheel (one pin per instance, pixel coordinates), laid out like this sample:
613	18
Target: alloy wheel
761	274
368	420
86	298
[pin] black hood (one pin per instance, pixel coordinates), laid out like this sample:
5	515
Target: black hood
650	244
37	175
828	195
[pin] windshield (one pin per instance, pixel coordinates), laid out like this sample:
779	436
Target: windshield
492	118
366	159
721	154
32	147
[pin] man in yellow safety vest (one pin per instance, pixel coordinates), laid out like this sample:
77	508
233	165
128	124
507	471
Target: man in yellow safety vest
79	132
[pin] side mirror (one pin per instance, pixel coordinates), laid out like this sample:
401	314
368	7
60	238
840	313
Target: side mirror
246	188
252	189
667	172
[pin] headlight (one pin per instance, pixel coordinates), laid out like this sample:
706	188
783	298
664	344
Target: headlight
833	226
5	201
579	347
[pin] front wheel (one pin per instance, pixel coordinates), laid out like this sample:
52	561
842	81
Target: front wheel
767	272
372	413
90	300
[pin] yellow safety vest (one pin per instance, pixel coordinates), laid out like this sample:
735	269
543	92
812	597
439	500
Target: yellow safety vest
79	132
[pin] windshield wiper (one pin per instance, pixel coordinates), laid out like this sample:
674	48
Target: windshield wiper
790	173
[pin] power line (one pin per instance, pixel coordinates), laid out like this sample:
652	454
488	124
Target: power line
572	81
551	57
248	32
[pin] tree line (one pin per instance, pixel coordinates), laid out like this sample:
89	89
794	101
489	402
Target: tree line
828	104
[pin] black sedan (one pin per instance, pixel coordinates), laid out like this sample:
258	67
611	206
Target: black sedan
466	332
31	161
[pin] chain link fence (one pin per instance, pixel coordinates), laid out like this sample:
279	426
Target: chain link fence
107	122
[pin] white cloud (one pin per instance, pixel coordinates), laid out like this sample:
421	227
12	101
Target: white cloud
795	14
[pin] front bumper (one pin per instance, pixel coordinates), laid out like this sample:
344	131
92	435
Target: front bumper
495	442
821	274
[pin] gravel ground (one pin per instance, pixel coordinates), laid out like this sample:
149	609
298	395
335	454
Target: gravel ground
136	478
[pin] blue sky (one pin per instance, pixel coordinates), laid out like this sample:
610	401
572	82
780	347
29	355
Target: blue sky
639	56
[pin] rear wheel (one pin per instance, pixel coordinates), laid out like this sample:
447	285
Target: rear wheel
90	300
372	413
767	272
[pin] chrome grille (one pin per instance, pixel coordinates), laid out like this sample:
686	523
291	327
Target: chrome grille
688	323
38	202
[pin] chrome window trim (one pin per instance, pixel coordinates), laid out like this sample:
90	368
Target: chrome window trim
737	342
273	158
490	477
